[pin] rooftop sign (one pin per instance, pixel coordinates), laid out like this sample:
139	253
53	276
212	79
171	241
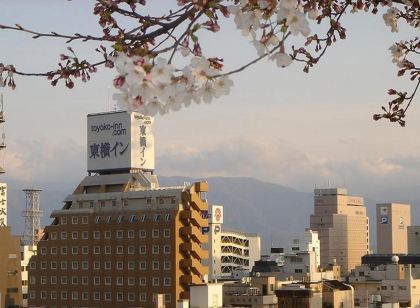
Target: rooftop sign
120	140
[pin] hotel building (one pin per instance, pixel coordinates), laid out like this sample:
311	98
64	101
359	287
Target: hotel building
120	239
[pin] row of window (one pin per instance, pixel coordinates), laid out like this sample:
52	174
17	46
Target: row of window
119	234
119	218
119	265
107	281
96	296
119	250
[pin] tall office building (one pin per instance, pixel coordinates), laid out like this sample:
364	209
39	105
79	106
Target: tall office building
342	226
121	240
392	220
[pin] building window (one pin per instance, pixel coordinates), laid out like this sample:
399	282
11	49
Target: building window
96	235
32	294
53	294
149	201
64	220
155	281
53	279
97	219
166	233
156	217
120	281
43	280
107	296
119	234
130	233
91	204
125	202
75	220
32	280
107	281
132	218
108	219
96	265
107	235
107	265
63	265
53	250
131	265
155	249
142	233
120	250
142	249
43	265
32	265
130	250
142	218
167	281
166	249
114	202
85	220
131	297
142	265
102	203
119	297
142	297
155	265
53	265
43	251
53	235
107	250
85	296
96	296
155	233
131	281
85	280
63	279
167	265
120	265
142	281
97	281
74	295
120	219
96	250
74	235
64	295
85	265
74	250
85	250
168	217
63	235
85	235
74	280
167	298
63	250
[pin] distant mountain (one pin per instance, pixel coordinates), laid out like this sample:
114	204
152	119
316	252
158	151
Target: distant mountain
276	212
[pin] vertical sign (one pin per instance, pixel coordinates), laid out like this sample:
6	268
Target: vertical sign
142	140
3	204
216	214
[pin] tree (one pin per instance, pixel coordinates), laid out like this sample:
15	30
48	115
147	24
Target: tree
161	65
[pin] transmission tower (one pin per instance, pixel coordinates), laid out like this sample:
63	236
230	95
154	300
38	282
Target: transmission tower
32	216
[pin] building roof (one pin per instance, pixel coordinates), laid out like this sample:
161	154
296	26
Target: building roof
377	259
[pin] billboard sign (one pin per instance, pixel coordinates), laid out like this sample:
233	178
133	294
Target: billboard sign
216	214
3	204
120	140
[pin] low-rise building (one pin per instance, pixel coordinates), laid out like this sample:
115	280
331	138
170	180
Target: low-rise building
308	242
206	295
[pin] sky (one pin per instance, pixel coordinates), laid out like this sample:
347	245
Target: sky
278	125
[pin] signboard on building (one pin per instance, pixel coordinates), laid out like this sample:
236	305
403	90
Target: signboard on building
120	140
216	214
383	212
3	204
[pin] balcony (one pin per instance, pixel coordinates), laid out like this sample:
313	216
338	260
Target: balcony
194	249
195	217
190	279
195	201
194	233
195	265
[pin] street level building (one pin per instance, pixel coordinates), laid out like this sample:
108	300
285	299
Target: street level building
342	226
392	221
10	273
120	239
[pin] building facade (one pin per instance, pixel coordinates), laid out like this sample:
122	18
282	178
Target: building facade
342	226
120	239
10	272
413	239
229	249
308	242
392	222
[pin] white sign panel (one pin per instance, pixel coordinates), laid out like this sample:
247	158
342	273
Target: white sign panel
120	140
3	204
216	214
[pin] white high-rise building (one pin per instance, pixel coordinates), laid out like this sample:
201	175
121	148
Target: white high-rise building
308	242
229	249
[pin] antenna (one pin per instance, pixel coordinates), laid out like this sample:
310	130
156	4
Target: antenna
2	120
32	216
